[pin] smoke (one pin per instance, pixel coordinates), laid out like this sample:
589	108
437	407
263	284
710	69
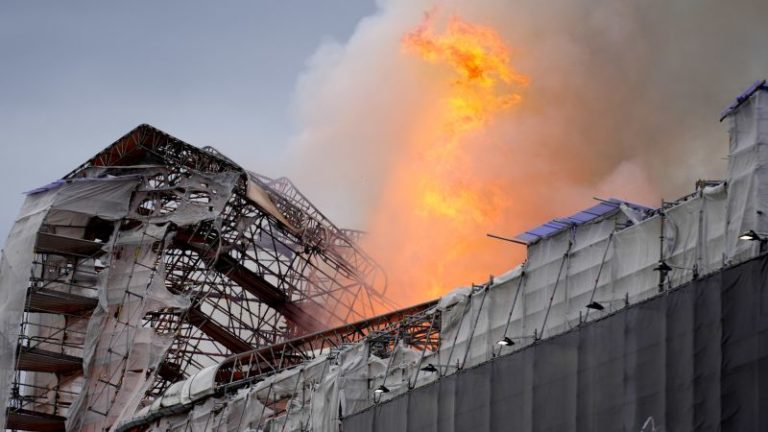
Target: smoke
623	102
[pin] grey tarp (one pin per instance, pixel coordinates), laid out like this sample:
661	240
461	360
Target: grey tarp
695	358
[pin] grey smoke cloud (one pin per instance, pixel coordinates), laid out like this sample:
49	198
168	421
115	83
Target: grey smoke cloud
624	99
624	102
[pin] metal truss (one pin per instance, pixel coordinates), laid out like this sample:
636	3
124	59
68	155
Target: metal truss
417	327
255	277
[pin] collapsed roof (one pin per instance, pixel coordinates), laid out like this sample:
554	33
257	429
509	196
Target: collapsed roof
154	260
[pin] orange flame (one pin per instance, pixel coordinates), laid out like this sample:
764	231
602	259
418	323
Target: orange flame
429	230
480	60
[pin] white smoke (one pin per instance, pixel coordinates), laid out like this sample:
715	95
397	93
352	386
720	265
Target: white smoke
624	101
612	82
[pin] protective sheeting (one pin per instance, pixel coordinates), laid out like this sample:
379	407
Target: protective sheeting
609	261
694	235
636	253
241	411
119	352
343	389
121	356
107	198
258	195
15	265
194	198
605	261
314	396
102	240
126	274
62	209
549	293
689	360
747	175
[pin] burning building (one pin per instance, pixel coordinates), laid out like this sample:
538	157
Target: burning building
156	260
161	287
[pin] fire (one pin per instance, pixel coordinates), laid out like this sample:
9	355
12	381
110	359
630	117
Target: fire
481	62
429	230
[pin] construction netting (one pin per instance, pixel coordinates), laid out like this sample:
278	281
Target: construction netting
646	361
123	274
610	261
688	360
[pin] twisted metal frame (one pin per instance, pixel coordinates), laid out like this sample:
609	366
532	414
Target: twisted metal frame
253	279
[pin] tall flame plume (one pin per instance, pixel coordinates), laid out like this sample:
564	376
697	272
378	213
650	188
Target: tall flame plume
429	228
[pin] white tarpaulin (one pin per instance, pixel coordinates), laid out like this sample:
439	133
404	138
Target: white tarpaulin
747	175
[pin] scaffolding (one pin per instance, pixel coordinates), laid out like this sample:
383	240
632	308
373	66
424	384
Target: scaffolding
156	259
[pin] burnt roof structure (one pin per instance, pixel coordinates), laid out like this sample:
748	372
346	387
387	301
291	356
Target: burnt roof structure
154	260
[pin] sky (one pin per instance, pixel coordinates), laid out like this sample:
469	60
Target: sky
75	76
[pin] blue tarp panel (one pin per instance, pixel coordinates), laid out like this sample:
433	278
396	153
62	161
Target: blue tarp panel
758	85
555	226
